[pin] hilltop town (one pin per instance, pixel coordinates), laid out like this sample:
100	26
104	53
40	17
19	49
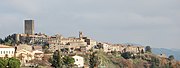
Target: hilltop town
38	49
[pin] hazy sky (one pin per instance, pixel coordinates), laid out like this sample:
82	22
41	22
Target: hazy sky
147	22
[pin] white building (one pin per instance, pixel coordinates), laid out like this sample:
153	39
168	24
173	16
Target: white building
79	61
6	51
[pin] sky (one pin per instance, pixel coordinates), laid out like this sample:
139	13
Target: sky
154	23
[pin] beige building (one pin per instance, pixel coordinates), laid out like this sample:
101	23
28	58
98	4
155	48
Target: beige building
38	55
30	39
26	56
24	46
57	42
121	48
134	49
111	47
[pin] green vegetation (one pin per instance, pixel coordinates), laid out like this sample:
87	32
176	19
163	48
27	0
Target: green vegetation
100	59
68	61
57	60
9	63
9	40
1	41
155	62
103	60
116	54
60	61
93	60
126	55
148	49
171	57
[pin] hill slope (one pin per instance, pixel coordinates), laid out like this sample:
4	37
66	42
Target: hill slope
175	52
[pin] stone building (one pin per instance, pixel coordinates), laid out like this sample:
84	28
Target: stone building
24	46
120	48
26	56
57	42
30	39
29	27
134	49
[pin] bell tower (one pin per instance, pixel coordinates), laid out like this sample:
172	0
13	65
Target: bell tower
80	35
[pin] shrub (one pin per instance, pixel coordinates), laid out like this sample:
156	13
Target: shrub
126	55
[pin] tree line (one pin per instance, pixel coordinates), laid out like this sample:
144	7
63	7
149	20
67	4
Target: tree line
9	63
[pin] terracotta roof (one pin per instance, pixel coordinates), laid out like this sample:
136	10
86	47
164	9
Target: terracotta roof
5	46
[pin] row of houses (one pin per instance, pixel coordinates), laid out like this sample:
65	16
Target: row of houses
23	52
120	48
26	54
82	44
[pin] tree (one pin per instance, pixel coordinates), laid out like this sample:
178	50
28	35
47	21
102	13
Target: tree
93	60
115	53
153	65
9	62
103	60
10	40
2	63
1	41
171	57
57	60
148	49
68	61
155	62
13	63
142	51
126	55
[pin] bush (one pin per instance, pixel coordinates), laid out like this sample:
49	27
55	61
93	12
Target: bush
148	49
126	55
171	57
10	62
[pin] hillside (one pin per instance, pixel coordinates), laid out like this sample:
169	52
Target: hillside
175	52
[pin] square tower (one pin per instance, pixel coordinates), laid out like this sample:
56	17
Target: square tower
29	27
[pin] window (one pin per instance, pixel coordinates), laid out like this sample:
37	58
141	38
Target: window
12	52
1	52
76	59
4	52
9	52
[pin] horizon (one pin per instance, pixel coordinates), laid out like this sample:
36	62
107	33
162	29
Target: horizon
148	23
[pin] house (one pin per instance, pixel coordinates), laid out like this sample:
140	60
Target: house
54	47
107	47
24	46
134	49
37	47
6	51
79	61
38	55
26	56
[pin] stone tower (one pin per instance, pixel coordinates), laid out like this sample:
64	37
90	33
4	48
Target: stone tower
29	27
80	35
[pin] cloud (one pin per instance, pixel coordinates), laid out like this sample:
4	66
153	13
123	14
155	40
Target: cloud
154	22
